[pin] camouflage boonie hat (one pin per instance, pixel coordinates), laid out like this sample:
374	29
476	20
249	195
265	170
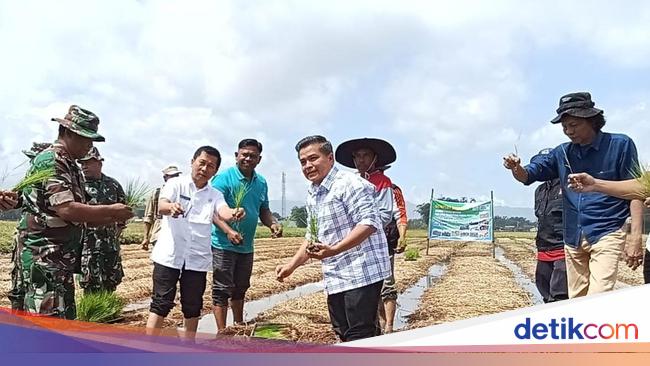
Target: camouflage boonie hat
82	122
36	149
93	153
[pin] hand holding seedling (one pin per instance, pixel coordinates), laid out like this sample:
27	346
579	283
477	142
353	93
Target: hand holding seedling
581	182
121	212
8	200
511	161
321	251
276	230
175	209
234	237
238	214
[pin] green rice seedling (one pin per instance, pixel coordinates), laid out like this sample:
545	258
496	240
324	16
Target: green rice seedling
270	331
411	254
312	226
34	178
136	192
99	307
238	196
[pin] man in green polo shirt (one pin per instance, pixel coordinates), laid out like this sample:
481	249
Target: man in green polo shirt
232	244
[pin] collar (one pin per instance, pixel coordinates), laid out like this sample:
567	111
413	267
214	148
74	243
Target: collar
241	176
58	146
327	181
188	179
595	144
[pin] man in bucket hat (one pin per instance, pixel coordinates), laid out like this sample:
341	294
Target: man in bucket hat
55	211
101	264
366	155
151	217
593	238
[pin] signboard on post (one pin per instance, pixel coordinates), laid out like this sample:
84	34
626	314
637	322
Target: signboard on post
461	221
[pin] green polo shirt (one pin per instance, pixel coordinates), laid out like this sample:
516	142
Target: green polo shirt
255	199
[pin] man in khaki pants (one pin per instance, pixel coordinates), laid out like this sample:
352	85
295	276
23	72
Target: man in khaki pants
593	237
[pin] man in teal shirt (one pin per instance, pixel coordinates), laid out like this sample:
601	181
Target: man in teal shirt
232	246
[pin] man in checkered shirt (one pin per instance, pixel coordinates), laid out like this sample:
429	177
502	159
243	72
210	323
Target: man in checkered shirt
349	241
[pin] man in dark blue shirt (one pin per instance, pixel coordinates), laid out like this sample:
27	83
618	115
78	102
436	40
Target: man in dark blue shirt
592	221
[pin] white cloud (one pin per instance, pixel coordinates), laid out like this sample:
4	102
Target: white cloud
447	82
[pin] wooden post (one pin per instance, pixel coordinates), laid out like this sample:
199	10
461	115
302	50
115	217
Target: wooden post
429	223
492	218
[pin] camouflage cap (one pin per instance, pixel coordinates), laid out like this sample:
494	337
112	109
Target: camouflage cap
82	122
36	149
171	170
93	153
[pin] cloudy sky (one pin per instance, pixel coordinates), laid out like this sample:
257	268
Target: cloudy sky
454	85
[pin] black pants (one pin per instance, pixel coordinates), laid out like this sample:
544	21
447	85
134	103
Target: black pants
646	267
164	290
550	278
231	275
353	313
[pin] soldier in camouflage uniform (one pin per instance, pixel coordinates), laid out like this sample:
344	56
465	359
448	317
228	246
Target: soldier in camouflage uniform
17	293
151	217
101	264
55	212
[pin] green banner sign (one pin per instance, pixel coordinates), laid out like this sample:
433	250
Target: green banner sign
461	221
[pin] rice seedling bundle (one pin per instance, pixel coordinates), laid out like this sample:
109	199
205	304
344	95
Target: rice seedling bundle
99	307
136	192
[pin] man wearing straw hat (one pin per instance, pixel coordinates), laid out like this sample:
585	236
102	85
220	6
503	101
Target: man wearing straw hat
56	211
101	264
17	293
593	236
151	217
366	155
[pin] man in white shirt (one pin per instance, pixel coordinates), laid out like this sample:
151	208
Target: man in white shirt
183	252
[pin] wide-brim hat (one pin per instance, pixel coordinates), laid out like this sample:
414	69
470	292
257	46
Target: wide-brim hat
171	170
82	122
93	153
37	148
385	152
577	105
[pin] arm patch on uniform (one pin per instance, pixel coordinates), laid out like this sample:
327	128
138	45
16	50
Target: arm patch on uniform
60	198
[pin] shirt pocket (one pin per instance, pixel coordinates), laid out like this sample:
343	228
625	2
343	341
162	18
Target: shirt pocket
333	221
201	212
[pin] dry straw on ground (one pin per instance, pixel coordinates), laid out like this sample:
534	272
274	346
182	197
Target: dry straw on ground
475	284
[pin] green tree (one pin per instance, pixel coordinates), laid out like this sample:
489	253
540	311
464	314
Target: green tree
299	216
423	210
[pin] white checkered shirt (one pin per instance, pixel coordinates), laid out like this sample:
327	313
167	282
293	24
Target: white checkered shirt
342	201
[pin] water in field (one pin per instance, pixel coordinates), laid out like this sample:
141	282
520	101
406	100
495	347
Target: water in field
409	300
520	277
208	325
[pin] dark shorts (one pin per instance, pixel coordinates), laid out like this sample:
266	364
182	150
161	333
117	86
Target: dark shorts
231	275
164	290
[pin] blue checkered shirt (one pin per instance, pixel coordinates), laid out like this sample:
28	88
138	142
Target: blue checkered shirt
342	201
